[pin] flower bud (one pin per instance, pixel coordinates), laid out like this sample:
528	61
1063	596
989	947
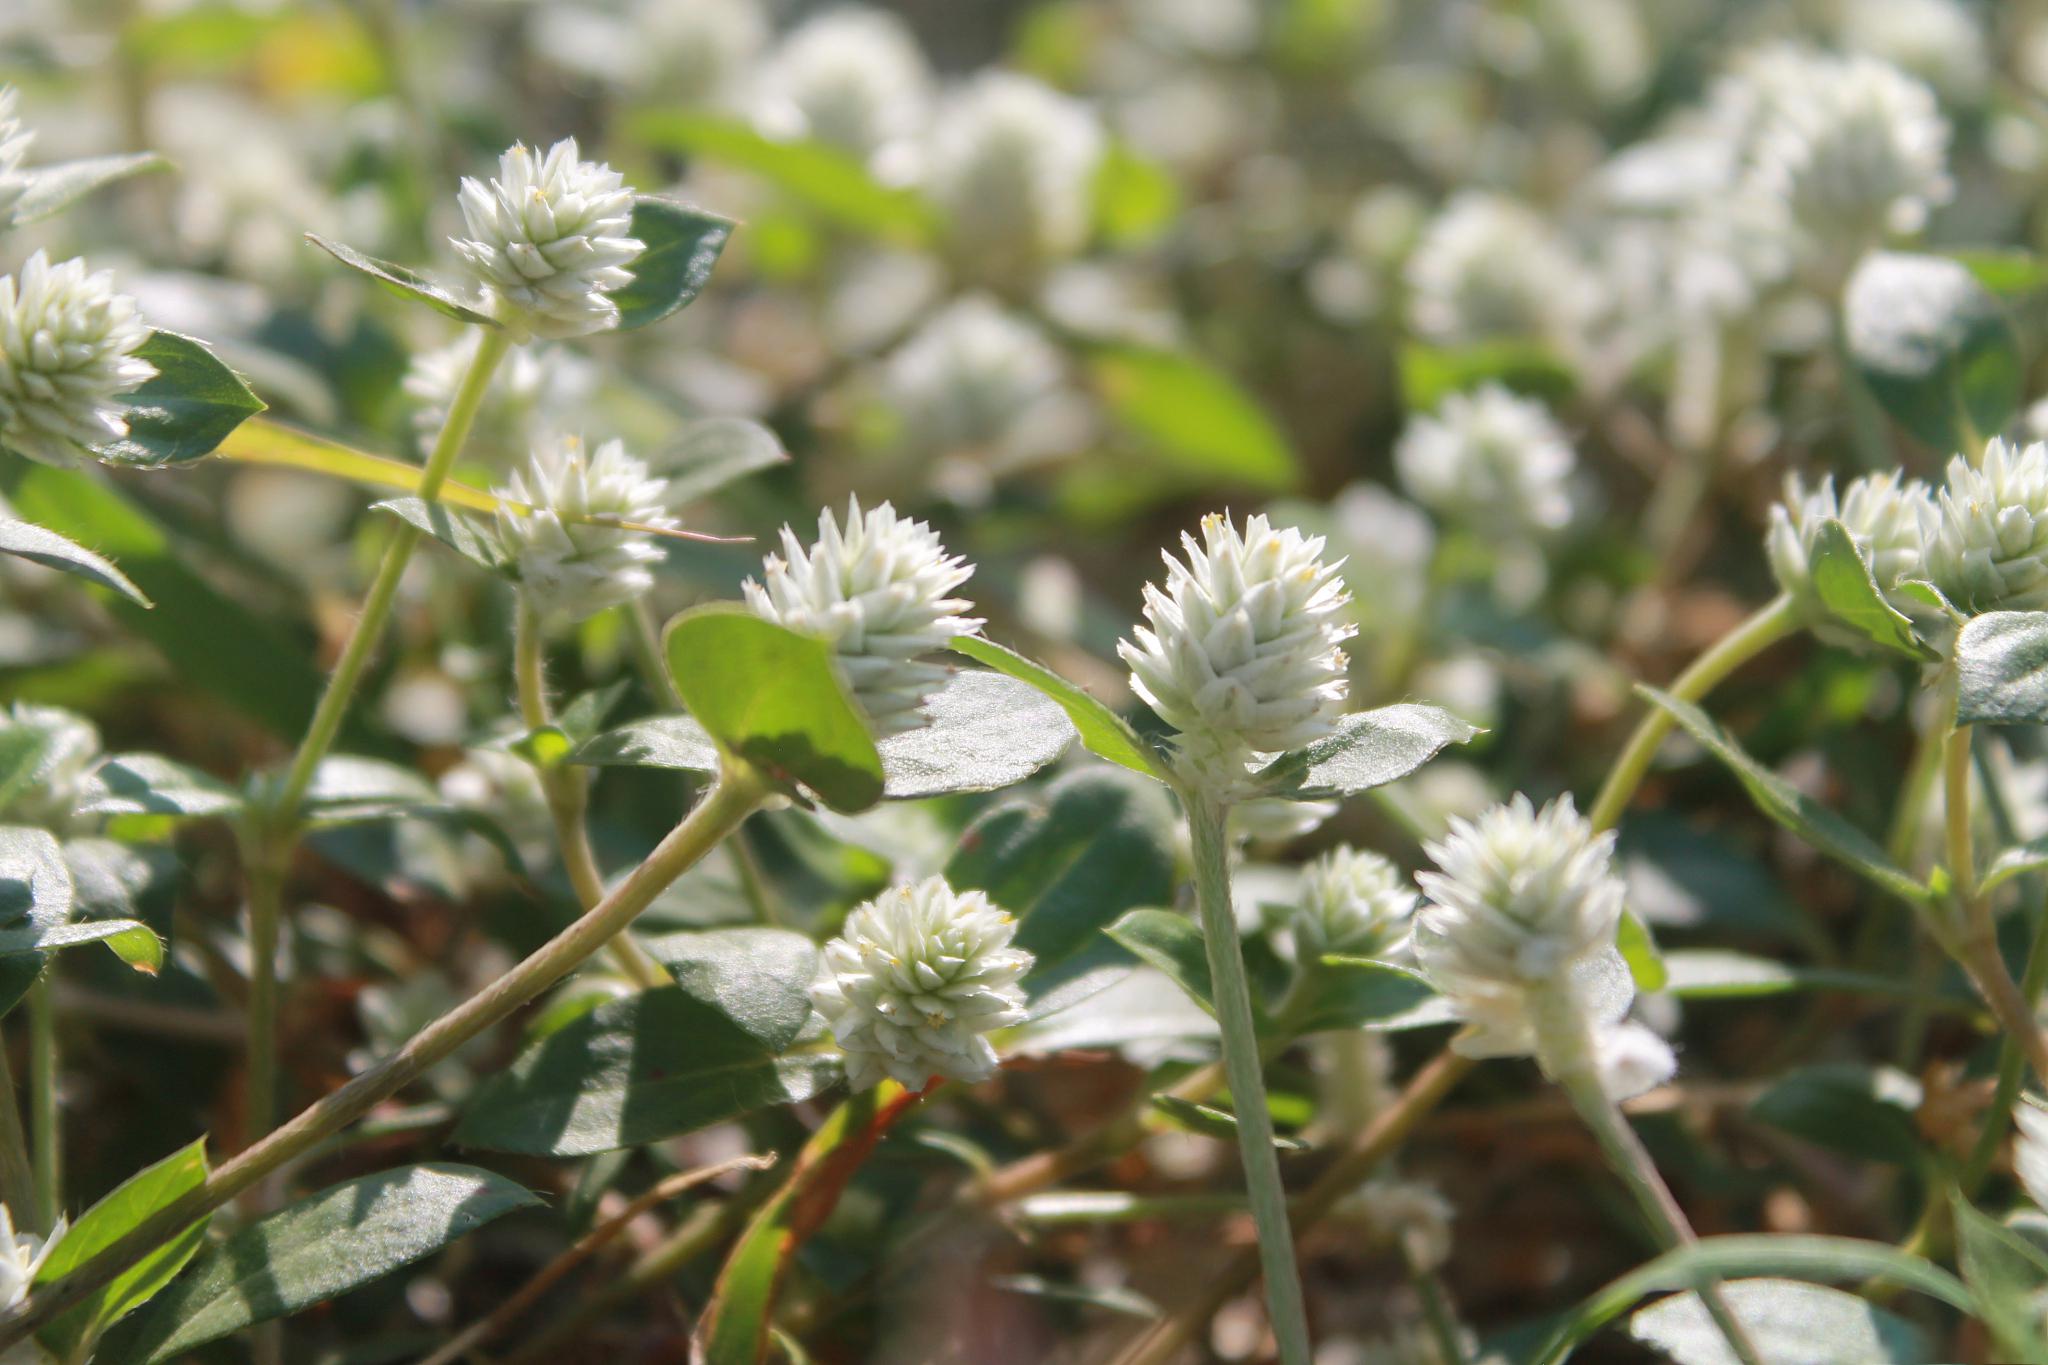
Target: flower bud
14	141
1491	459
975	378
915	979
1351	902
547	241
1410	1214
67	344
568	567
1986	535
1240	652
1882	514
878	591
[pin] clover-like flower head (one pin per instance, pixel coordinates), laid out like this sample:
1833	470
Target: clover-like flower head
1883	514
1241	650
973	378
570	567
1490	458
879	589
548	241
67	351
853	78
1986	536
14	141
1012	166
1489	267
1351	902
915	981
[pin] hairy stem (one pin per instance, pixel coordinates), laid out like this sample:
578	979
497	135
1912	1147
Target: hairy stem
48	1146
17	1176
1977	950
1243	1069
738	793
1770	624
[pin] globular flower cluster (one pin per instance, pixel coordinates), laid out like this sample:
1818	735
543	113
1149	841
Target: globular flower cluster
1489	267
915	981
548	241
1986	534
1012	166
1242	652
879	590
67	352
1352	902
1491	458
1526	903
975	377
568	566
1882	514
14	142
854	79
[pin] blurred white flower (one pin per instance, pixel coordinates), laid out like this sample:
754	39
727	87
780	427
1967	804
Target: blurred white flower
22	1255
1351	902
1489	458
1488	267
52	752
879	590
1011	166
1277	819
692	53
976	378
568	567
854	78
66	353
536	390
1882	513
14	141
1410	1214
1633	1059
1986	534
915	980
1937	40
2030	1150
547	240
1241	650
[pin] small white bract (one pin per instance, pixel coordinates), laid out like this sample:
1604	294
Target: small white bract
14	141
21	1255
1492	459
67	344
568	567
914	981
855	79
1353	902
1882	514
1986	534
1410	1214
1012	167
547	240
1488	267
879	590
1241	651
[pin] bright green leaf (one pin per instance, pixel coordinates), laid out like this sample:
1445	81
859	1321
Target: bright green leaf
1638	949
185	411
139	1197
1194	419
1103	732
24	540
1843	582
1430	374
1210	1121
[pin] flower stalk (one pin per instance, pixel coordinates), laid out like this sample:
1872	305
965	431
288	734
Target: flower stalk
17	1176
44	1120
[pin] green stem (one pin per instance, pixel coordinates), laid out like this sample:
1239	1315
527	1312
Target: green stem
17	1176
48	1148
1241	1067
2012	1070
1771	623
1977	950
738	794
1565	1043
265	860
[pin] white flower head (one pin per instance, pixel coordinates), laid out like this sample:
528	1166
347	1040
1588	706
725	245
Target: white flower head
1411	1214
1012	167
879	589
568	567
1491	458
53	753
1488	267
1351	902
1940	41
853	78
2030	1150
22	1255
1882	514
547	241
1241	650
915	980
1986	535
14	141
976	378
535	390
67	343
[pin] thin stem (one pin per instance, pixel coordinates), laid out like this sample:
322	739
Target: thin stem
1977	950
1770	624
738	794
2012	1068
48	1143
1436	1307
1955	771
265	860
1242	1067
17	1176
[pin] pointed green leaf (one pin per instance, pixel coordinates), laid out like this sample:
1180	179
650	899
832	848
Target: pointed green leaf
760	979
105	1223
25	540
149	784
182	413
407	284
1173	943
1210	1121
2002	669
1842	580
459	533
133	942
1103	732
1784	1320
1638	949
1368	749
1347	993
52	189
681	246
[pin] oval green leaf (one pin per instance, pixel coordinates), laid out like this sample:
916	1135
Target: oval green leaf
407	284
2002	669
1368	749
185	411
681	246
1103	732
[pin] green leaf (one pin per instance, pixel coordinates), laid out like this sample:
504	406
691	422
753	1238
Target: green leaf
322	1246
459	533
2002	669
1934	346
1194	419
52	189
25	540
113	880
1792	1256
1210	1121
714	452
351	787
1368	749
641	1069
1347	993
682	245
983	732
133	942
36	891
1784	1320
2006	1273
1429	374
1863	1111
2008	273
148	784
1173	943
105	1223
1069	859
760	979
1720	974
829	182
1135	198
774	698
185	411
1110	1298
1846	587
1103	732
1645	964
407	284
1790	807
2017	861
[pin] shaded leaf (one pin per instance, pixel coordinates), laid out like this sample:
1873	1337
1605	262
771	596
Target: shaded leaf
25	540
148	784
185	411
2002	669
681	246
714	452
1171	942
1369	749
2006	1273
758	978
1934	346
1863	1111
1103	732
473	542
407	284
1355	992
